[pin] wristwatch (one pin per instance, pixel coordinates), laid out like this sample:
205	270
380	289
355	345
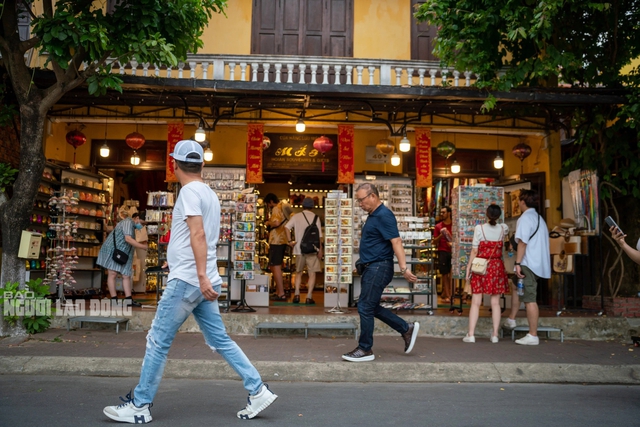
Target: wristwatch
403	270
516	263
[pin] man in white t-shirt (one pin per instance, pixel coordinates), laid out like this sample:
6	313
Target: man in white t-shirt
532	262
193	287
299	223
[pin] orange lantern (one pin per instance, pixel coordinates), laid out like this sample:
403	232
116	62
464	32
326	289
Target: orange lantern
135	140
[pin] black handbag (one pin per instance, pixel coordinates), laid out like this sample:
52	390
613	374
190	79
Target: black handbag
118	256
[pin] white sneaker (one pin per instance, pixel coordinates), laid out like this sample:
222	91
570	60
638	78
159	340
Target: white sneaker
528	340
128	412
467	338
509	323
257	403
494	340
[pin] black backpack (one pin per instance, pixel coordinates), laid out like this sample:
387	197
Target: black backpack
310	243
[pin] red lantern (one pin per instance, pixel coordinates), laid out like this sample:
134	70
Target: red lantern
323	145
76	138
135	140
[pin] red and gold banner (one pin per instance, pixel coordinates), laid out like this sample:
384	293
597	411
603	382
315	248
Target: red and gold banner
346	169
255	135
424	176
175	132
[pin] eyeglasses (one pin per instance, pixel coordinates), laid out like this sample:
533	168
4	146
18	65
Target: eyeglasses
362	199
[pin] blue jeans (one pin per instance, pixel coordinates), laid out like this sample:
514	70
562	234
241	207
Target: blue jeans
376	276
179	300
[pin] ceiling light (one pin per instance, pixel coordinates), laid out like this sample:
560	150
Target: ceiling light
455	167
498	163
104	150
208	155
395	159
405	145
200	133
135	159
300	126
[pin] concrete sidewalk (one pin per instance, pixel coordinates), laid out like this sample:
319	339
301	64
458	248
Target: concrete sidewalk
294	358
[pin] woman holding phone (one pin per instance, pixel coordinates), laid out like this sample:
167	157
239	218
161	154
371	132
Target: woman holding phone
619	236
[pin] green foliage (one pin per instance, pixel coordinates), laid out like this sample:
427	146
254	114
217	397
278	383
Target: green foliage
7	176
13	300
153	31
535	43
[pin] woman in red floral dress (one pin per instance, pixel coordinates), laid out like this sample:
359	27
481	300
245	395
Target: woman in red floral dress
487	244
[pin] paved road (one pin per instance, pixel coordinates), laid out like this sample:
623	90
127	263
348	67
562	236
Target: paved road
27	401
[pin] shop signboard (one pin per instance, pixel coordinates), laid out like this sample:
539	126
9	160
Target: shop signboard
294	152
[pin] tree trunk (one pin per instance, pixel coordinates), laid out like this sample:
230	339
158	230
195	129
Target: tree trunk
14	214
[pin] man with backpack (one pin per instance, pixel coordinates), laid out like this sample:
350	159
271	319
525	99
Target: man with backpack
307	247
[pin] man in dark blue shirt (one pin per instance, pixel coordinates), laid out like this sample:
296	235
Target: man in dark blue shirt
379	242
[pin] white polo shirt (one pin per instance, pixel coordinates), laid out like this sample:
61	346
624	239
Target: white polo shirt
536	257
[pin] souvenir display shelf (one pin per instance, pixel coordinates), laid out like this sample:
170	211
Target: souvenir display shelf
469	208
158	217
244	247
338	250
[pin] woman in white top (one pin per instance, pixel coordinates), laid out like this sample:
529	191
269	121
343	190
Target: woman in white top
487	244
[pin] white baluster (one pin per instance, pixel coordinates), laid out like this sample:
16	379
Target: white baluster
301	68
372	71
232	71
349	69
467	78
205	70
156	67
314	69
421	72
410	76
180	69
243	71
359	70
134	67
398	76
289	73
192	68
456	78
336	74
254	71
433	73
325	74
444	73
169	68
121	66
277	74
145	69
265	72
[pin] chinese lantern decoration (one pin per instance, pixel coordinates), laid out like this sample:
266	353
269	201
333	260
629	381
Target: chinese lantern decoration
385	146
75	138
266	142
521	151
323	145
135	140
446	149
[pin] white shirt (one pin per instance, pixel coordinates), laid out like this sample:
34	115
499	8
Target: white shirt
195	199
299	225
491	232
536	257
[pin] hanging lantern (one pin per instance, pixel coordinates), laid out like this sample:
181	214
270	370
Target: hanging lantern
323	145
266	142
521	151
446	149
135	140
385	146
76	138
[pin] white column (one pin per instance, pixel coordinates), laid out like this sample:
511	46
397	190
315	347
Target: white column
325	74
444	73
145	69
456	78
467	78
398	71
254	71
314	69
218	69
169	69
336	73
421	72
205	70
232	71
192	67
134	67
301	70
349	69
265	72
277	74
289	73
156	69
372	71
359	70
121	67
243	71
180	69
410	76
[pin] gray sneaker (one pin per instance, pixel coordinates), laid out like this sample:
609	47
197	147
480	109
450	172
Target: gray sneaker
257	403
509	324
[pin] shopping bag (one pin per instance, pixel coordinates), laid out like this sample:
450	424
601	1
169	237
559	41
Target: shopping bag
563	263
556	243
573	246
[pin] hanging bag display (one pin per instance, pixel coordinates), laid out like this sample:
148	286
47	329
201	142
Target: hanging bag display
479	265
573	246
118	256
556	243
563	263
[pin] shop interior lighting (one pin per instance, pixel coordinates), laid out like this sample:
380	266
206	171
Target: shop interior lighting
395	159
455	167
300	126
200	133
405	145
498	163
208	154
104	150
135	159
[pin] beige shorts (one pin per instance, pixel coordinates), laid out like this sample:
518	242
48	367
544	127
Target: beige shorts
310	260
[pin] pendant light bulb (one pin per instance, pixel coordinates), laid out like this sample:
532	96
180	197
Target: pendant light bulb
395	159
300	126
208	155
405	145
455	167
200	134
135	159
498	163
104	150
